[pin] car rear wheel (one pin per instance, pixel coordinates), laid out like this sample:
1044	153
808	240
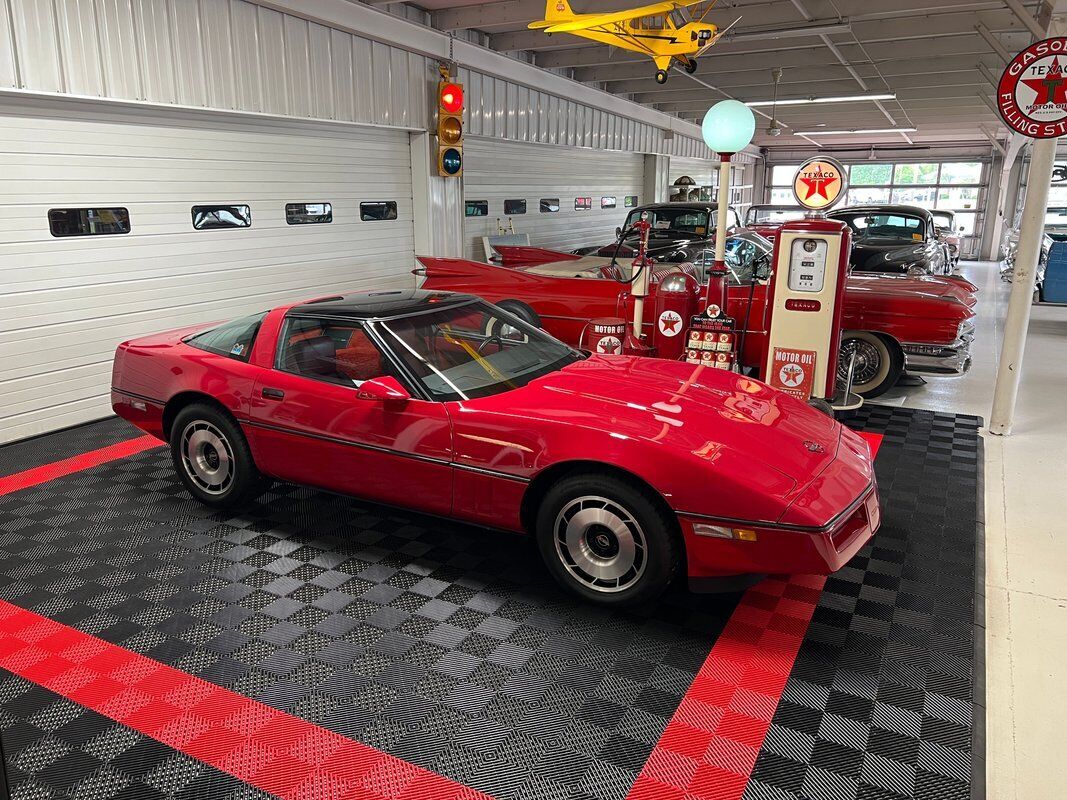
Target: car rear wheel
213	459
521	310
606	540
879	362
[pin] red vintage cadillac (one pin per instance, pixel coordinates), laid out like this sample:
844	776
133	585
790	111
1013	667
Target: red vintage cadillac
626	471
891	322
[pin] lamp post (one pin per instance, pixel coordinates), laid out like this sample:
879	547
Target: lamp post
728	128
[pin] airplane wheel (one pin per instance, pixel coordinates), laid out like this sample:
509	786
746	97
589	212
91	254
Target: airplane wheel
690	66
661	76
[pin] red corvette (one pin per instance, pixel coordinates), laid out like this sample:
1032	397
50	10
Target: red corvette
892	322
625	470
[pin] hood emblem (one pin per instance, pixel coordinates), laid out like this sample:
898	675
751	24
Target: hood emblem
814	447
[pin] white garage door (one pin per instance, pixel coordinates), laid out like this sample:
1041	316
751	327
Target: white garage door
495	171
65	303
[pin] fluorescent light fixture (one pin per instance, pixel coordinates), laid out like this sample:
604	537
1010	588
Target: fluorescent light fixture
857	130
799	101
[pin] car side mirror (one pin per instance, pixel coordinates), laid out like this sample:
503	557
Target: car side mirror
618	232
384	389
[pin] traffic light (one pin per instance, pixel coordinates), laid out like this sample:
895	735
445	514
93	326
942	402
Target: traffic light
449	129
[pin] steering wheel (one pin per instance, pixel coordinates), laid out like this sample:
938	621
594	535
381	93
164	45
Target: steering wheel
492	338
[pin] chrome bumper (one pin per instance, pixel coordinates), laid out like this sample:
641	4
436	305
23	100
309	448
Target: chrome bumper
950	359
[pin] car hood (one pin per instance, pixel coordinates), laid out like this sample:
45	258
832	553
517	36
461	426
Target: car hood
879	256
697	409
922	285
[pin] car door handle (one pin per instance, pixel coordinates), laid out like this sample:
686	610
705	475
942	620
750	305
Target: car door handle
273	394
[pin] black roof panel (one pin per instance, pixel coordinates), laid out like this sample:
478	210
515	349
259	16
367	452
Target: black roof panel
375	305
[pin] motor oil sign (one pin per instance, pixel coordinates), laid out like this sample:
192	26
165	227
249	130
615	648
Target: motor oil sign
793	371
1032	93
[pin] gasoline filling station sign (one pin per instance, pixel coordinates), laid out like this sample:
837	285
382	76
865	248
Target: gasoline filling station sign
1032	94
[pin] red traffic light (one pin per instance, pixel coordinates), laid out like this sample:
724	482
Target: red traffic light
452	97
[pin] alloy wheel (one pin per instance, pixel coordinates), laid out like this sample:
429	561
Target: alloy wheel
600	544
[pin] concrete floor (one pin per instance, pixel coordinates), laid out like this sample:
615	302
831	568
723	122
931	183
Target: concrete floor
1026	543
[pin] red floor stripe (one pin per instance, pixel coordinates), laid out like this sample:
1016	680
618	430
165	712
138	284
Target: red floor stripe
269	749
710	746
58	469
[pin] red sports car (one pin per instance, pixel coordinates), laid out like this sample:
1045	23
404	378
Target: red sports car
891	322
626	470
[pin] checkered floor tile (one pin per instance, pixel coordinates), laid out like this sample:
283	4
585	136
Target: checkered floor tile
879	705
451	648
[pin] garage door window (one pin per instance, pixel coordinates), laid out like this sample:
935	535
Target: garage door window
377	211
212	217
549	205
88	221
476	208
583	203
231	339
514	206
631	201
607	202
308	213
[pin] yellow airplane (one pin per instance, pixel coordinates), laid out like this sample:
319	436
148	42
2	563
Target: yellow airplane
665	32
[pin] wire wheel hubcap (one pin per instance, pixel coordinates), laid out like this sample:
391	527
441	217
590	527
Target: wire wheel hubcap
207	457
600	544
868	361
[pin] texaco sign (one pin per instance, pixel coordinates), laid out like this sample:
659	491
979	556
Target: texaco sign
819	183
1032	95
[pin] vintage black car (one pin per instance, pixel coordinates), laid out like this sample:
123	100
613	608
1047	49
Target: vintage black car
680	232
893	239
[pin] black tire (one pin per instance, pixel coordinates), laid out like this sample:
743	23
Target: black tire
690	65
212	458
880	366
521	310
626	515
821	405
661	76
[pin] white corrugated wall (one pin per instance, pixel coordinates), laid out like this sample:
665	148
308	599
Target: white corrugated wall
495	171
65	303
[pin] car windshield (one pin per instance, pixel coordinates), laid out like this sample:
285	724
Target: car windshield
473	350
685	220
1056	216
890	227
773	215
943	219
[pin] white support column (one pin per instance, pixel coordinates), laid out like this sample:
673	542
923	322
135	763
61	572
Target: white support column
1009	371
437	202
657	168
1002	206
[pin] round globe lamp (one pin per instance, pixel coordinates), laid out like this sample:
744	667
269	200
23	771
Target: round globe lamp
728	128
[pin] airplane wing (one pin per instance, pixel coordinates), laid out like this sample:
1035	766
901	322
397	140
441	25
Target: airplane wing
584	21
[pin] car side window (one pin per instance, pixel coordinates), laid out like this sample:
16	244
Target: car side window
232	339
333	351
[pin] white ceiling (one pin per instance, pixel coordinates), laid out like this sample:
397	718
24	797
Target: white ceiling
931	53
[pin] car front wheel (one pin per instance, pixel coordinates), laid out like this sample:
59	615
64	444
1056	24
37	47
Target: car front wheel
213	459
879	362
606	540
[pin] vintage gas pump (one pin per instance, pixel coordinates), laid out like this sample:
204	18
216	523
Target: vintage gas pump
811	259
640	277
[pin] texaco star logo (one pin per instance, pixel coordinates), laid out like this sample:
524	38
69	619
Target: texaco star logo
670	323
1032	94
611	345
819	183
791	375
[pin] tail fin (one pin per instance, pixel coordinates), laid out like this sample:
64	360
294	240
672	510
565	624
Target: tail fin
558	9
